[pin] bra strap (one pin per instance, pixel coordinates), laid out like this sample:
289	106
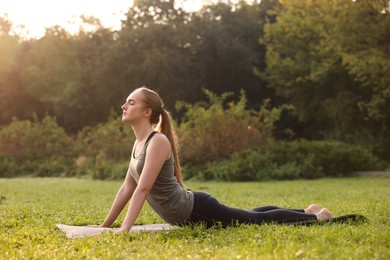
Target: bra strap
150	136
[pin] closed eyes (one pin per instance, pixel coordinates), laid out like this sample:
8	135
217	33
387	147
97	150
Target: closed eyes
131	101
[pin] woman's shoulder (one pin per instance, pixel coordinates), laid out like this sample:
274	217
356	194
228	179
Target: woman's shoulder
160	144
159	140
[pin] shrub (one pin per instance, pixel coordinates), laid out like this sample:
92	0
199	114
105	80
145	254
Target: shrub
100	168
22	140
51	167
104	150
291	160
326	158
111	140
10	168
214	131
40	148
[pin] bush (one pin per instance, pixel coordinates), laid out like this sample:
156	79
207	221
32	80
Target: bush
326	158
23	140
100	168
42	148
214	131
221	142
52	167
291	160
10	168
104	150
38	148
110	141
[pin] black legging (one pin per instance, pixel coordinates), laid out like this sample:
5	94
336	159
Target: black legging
209	211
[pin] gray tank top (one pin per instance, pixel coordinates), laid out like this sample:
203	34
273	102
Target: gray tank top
167	198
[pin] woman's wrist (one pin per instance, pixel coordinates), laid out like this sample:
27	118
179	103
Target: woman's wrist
125	228
105	225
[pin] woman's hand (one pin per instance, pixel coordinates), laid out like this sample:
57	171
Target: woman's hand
120	231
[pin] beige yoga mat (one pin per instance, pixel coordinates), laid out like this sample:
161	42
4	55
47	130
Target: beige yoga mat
85	231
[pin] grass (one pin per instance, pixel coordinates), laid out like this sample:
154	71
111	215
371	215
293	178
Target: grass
29	209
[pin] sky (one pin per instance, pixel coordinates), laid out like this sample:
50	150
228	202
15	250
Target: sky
35	15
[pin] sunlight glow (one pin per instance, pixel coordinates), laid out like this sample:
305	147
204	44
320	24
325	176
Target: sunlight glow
31	17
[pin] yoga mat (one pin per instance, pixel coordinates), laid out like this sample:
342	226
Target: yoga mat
83	231
350	218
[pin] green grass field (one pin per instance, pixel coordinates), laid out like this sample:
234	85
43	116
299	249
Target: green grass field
30	208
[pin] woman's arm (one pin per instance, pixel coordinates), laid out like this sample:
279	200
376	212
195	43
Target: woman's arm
158	152
122	197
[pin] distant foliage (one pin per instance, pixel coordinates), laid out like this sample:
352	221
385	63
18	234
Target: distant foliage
331	61
104	150
217	129
291	160
328	58
221	141
112	140
34	148
33	140
42	148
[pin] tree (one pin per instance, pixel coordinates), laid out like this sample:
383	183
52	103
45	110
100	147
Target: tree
330	60
180	53
68	74
224	45
52	73
364	50
96	95
13	96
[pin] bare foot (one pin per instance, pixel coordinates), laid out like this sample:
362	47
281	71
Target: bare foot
313	209
324	214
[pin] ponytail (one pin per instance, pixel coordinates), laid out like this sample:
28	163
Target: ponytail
165	127
162	119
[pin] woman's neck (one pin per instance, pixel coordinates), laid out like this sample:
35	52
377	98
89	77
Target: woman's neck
142	131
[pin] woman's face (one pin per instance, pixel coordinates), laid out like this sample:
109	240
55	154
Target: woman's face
134	109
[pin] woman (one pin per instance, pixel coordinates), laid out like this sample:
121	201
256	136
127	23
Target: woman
154	175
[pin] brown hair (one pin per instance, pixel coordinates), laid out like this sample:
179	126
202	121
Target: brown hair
162	119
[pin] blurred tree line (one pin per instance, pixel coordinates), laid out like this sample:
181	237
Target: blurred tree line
329	59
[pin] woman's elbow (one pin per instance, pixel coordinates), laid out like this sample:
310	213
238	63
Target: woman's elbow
143	191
